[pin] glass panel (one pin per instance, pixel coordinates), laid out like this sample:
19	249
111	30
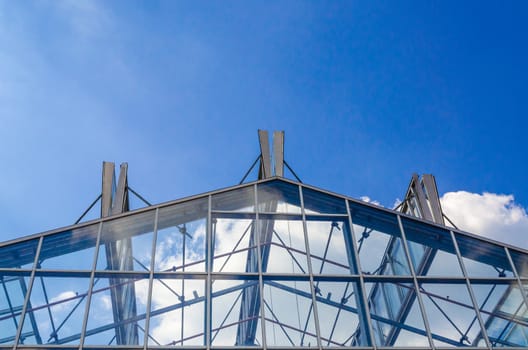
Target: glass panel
233	242
451	315
181	238
177	312
436	256
330	245
126	243
289	314
379	242
338	314
483	259
520	260
396	317
278	196
239	200
236	317
320	202
57	308
121	300
13	291
503	312
71	250
282	246
19	255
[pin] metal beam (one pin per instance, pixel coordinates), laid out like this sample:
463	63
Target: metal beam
265	156
278	152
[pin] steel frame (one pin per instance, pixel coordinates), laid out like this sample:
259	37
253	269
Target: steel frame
256	278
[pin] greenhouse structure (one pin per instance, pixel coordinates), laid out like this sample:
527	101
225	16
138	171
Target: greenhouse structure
268	264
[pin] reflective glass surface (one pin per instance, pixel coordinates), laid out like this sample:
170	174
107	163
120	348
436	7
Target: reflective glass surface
271	265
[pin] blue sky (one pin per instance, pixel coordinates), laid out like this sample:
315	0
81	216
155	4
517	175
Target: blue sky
367	92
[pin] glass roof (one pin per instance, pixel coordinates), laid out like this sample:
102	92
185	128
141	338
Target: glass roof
271	264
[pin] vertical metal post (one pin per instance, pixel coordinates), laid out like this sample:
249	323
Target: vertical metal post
278	152
434	200
415	282
259	264
151	279
28	294
265	160
470	290
90	286
208	286
108	180
365	321
310	272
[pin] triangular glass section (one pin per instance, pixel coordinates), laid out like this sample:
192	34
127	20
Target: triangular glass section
278	196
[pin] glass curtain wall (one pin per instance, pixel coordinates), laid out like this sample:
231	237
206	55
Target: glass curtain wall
269	265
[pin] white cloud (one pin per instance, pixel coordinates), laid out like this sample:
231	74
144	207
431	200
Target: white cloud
491	215
369	200
62	305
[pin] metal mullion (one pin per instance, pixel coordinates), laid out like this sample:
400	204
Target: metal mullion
28	294
208	286
151	280
363	305
259	265
519	282
90	286
471	294
312	284
415	282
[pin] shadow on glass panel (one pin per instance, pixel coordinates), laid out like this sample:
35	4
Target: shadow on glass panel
126	243
71	250
58	306
19	255
180	244
483	259
177	312
278	197
289	314
117	311
330	246
236	316
379	242
234	242
451	315
317	202
239	200
282	245
13	290
339	319
395	314
503	312
432	249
